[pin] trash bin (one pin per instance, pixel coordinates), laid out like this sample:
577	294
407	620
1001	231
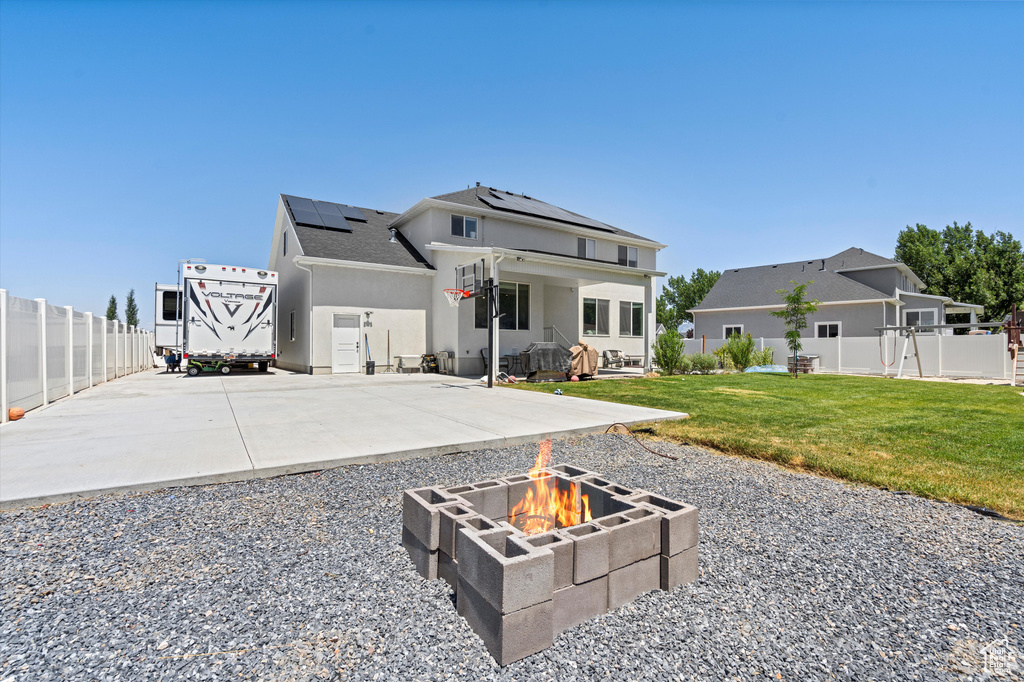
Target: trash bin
370	366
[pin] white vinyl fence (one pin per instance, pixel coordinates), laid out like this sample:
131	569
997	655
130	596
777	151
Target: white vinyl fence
941	356
48	352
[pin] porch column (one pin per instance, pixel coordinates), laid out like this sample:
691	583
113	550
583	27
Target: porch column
494	341
650	316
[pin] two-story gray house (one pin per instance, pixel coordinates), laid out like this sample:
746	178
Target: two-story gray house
356	283
859	291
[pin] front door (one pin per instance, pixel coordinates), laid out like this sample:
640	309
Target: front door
345	344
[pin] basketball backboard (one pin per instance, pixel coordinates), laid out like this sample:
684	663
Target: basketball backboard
469	277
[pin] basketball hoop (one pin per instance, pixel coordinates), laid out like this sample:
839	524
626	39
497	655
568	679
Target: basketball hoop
454	296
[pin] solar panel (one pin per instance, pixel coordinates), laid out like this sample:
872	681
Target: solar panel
331	215
304	212
351	212
511	202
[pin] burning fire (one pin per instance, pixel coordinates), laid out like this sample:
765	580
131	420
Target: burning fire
545	507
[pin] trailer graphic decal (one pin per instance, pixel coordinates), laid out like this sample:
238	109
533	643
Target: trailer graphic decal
199	308
260	322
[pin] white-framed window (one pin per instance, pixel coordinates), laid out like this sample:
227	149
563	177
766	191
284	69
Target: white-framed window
631	318
463	226
595	316
628	256
921	317
172	305
586	248
513	307
291	326
828	330
730	329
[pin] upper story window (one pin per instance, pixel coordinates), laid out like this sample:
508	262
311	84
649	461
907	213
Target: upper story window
628	256
463	226
586	248
284	244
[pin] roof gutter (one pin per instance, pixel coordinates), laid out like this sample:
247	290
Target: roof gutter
546	258
359	265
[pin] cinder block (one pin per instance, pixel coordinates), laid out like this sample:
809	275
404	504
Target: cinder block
508	572
573	473
634	535
487	498
508	637
629	582
562	548
603	500
423	559
578	603
679	522
449	518
420	513
679	569
447	569
590	551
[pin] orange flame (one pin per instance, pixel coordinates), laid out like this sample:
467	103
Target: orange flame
546	507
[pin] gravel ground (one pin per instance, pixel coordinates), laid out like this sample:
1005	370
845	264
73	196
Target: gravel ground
303	577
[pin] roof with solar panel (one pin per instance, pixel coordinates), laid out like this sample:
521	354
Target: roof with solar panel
341	232
500	200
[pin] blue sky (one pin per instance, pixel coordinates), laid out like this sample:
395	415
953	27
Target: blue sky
135	134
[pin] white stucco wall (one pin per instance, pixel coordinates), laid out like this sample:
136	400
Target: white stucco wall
293	295
614	293
399	303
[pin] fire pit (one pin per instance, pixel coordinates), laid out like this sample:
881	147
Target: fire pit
530	556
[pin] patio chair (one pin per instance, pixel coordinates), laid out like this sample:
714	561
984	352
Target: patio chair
502	362
615	358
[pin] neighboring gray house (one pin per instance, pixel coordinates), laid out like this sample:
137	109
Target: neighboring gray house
858	290
356	276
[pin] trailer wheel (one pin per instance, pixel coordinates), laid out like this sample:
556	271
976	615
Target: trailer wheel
193	371
263	366
226	369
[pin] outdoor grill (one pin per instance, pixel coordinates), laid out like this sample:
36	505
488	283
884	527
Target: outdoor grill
530	556
545	361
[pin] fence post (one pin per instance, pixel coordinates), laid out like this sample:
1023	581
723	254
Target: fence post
42	344
938	333
839	354
103	336
70	350
88	348
4	400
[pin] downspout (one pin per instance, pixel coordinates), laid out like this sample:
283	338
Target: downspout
310	330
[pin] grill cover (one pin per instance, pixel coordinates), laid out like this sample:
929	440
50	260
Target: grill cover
543	359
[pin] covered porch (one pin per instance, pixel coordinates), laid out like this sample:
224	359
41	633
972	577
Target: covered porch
549	297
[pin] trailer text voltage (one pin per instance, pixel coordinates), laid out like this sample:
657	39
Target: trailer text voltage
230	318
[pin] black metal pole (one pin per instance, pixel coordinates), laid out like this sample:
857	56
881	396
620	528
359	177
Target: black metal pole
491	350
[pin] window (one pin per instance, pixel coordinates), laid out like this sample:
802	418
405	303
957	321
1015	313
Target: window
628	256
284	244
586	248
172	305
730	329
828	330
631	318
463	226
291	326
595	317
920	318
513	307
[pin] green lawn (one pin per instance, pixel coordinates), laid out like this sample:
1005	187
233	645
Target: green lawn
956	442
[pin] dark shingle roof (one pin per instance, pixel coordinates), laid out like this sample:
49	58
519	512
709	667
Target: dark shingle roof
368	242
470	197
756	286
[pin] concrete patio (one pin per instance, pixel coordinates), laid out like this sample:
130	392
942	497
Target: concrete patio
153	430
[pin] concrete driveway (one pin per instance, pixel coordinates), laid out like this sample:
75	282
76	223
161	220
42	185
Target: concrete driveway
153	430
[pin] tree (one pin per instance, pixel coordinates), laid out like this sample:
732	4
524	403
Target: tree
681	294
112	308
967	265
131	310
795	315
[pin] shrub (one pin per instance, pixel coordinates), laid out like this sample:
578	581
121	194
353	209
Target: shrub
704	363
685	364
740	349
721	354
763	357
668	350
